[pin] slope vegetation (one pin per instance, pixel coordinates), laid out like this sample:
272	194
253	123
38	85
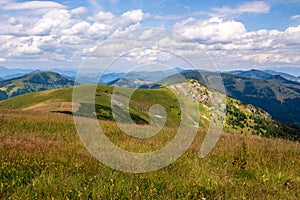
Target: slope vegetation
276	95
39	81
240	117
42	157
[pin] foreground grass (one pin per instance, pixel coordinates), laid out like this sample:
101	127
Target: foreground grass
42	157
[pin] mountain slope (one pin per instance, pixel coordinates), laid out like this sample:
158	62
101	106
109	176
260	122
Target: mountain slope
240	117
276	95
34	82
42	157
278	99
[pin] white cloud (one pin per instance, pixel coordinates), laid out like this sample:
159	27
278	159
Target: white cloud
295	17
20	46
54	21
2	59
229	43
215	29
79	11
102	17
31	5
80	27
292	35
254	7
134	15
246	7
60	33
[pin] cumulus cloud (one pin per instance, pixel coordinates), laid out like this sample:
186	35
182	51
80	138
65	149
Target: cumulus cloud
215	29
102	16
228	42
134	16
52	22
60	33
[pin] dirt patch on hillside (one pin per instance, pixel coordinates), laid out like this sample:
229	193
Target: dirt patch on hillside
54	106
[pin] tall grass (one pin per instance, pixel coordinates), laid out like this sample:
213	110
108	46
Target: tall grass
42	157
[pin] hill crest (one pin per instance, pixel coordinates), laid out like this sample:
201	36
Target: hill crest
38	81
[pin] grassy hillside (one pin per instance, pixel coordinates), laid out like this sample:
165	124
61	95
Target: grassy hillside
39	81
42	157
240	118
278	96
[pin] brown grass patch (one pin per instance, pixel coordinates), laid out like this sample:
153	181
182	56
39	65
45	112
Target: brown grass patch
26	142
54	106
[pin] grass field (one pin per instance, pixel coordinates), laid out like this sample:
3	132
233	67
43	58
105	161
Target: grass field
42	157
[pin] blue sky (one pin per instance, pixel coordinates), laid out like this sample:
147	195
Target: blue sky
235	34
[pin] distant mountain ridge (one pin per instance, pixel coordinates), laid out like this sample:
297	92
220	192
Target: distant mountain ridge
284	75
253	73
10	73
263	74
33	82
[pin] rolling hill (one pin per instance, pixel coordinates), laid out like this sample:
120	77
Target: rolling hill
42	157
240	117
33	82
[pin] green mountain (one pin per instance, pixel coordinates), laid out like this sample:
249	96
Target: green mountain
276	95
240	117
34	82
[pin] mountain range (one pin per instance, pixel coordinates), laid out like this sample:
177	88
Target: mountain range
10	73
240	117
275	92
263	74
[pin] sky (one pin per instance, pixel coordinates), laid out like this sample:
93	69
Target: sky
235	34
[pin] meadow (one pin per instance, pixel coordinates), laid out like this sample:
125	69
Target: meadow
42	157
